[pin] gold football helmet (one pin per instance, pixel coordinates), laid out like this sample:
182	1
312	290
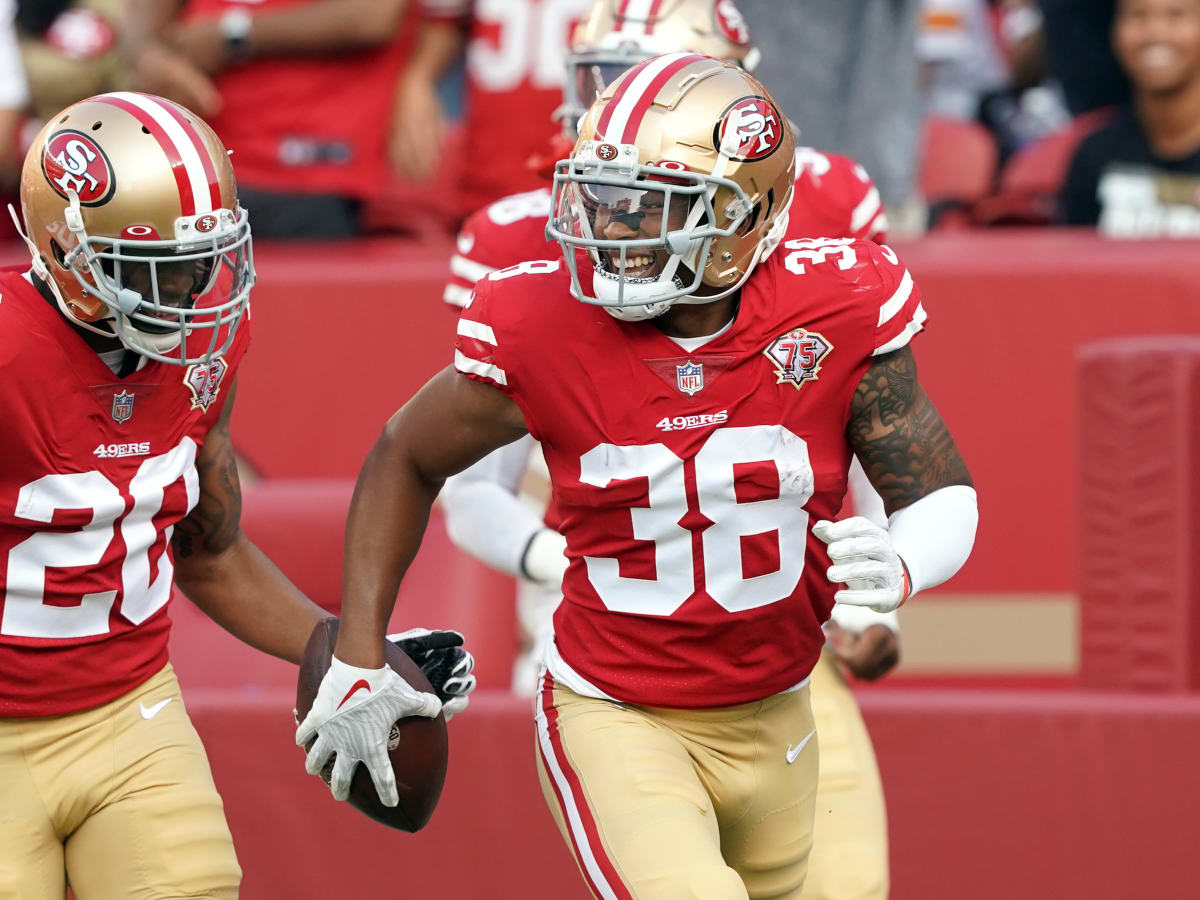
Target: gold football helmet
617	34
131	216
679	185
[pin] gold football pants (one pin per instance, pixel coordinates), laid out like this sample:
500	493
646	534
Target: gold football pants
117	800
671	804
849	860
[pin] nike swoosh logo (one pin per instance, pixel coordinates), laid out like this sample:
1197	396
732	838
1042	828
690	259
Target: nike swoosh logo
361	683
793	752
149	712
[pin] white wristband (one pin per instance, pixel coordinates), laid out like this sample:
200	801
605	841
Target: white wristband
934	535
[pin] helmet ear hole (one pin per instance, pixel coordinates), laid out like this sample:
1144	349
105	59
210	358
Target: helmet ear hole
752	220
59	256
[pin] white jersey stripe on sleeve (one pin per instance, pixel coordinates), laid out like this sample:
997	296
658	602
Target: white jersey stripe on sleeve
469	366
477	330
469	269
193	165
866	210
456	294
896	302
879	226
915	325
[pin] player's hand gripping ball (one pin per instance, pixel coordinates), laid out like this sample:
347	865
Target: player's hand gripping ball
417	744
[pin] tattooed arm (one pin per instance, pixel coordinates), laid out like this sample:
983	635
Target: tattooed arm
899	437
908	454
223	573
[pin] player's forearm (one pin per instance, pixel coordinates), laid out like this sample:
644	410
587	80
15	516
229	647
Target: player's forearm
899	437
328	26
437	45
246	594
488	522
387	520
484	516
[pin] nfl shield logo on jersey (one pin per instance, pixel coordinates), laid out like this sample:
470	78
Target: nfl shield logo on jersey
204	381
690	377
797	356
122	408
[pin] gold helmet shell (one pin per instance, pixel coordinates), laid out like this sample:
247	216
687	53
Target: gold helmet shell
617	34
705	141
123	180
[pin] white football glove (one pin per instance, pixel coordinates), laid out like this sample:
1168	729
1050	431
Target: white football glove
444	661
352	716
866	562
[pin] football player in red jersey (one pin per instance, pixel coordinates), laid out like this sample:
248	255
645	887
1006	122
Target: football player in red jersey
698	411
120	349
834	197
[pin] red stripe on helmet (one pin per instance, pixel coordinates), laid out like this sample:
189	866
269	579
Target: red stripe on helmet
187	203
650	16
634	122
210	171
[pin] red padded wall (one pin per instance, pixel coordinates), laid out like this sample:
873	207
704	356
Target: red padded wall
992	795
1139	516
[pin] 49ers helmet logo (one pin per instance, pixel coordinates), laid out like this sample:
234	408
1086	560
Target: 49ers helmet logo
759	128
731	23
72	161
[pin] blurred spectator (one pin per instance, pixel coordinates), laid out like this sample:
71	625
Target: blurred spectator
1080	55
70	50
301	91
1139	176
1032	106
514	70
14	97
960	61
847	71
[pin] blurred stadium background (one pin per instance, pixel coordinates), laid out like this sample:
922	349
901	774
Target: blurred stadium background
1039	738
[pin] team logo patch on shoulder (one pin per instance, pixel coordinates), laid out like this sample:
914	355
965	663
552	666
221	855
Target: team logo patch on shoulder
204	381
689	378
122	407
797	356
72	161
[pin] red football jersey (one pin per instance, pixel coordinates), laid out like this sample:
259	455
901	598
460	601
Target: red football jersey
306	123
835	197
515	68
96	472
687	481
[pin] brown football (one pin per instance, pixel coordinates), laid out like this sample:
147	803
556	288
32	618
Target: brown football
417	746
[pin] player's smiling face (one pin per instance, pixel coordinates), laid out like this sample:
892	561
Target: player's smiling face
628	214
1158	43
